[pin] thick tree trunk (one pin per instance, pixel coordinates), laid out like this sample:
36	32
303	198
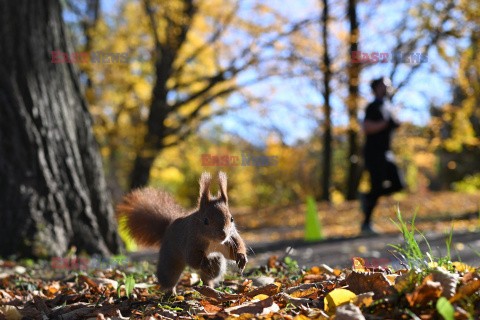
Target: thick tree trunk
153	145
327	138
141	170
354	171
52	194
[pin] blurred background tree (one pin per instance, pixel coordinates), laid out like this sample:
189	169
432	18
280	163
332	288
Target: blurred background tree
187	58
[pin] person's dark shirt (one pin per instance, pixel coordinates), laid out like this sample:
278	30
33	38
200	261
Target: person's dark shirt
378	142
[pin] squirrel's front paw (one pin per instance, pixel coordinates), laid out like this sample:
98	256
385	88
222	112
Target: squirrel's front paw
241	261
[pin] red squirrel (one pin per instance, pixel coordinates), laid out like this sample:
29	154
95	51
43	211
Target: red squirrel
201	239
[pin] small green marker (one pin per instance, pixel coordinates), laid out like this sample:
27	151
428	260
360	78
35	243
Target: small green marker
313	227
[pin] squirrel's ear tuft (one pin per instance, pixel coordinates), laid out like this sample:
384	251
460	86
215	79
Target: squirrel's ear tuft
205	182
222	180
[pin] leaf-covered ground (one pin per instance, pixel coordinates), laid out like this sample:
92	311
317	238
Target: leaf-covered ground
424	287
277	290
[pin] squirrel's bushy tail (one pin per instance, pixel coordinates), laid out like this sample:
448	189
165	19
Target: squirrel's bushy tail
146	213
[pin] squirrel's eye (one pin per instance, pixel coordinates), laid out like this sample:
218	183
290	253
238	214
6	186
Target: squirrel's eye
205	221
231	219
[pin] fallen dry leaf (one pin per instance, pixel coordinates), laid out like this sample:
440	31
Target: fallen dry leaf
216	295
84	279
103	282
391	278
424	293
448	281
376	282
406	280
336	298
304	286
309	293
358	264
260	297
471	283
297	302
310	278
364	299
270	290
262	307
210	308
245	286
272	261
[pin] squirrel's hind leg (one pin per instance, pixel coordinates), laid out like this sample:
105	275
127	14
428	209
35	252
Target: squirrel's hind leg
169	269
212	269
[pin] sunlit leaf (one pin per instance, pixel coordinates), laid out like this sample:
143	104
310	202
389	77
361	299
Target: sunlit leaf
336	298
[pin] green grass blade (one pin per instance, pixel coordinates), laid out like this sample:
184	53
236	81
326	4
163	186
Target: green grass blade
445	309
129	285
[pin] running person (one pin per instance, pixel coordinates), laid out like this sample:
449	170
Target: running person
378	126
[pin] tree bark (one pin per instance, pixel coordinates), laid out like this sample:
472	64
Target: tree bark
53	194
354	172
327	138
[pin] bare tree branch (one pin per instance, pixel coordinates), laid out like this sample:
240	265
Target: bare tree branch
153	23
221	28
436	35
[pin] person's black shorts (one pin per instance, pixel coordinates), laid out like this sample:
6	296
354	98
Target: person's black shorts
385	177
